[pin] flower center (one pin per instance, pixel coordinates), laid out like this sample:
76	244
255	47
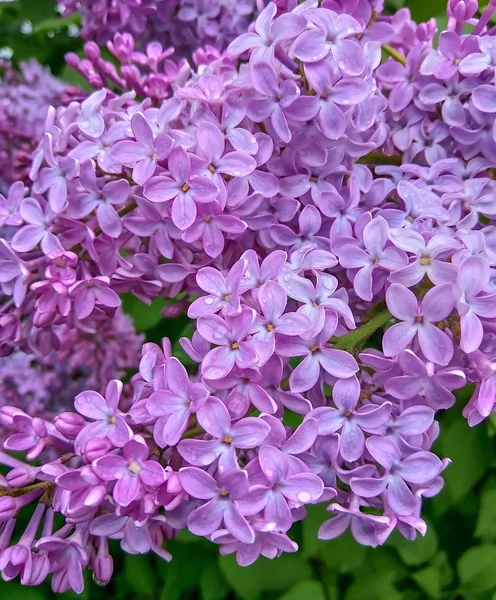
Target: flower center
269	327
207	218
227	298
235	346
185	187
211	168
224	493
425	260
227	439
419	319
314	348
111	420
134	467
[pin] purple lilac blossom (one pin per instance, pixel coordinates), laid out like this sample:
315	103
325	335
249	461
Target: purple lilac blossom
358	217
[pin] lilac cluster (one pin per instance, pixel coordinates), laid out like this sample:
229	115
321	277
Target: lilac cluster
329	228
25	97
152	73
44	385
184	24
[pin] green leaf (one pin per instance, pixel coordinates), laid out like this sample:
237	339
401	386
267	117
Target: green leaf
15	591
418	551
423	11
486	521
378	587
471	452
429	579
476	568
36	10
56	24
305	590
213	585
139	575
145	316
179	576
264	575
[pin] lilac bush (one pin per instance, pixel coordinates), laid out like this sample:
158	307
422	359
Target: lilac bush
320	200
184	24
25	97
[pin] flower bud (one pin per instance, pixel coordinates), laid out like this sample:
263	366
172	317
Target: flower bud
8	508
103	567
69	424
95	448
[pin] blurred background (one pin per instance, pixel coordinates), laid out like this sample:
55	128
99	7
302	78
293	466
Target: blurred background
456	559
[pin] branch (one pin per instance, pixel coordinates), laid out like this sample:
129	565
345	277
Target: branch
353	341
394	54
378	158
43	486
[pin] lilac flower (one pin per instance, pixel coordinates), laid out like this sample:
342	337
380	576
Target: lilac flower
244	391
175	407
310	223
337	363
318	301
422	378
334	94
473	277
222	506
363	526
90	121
67	559
272	299
276	98
267	543
230	336
211	148
419	319
426	261
9	206
418	469
403	78
214	418
144	153
92	292
37	231
256	273
375	255
109	423
349	420
103	199
280	491
132	471
330	35
223	292
53	179
184	186
210	227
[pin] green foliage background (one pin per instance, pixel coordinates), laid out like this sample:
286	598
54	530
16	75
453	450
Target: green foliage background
455	561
